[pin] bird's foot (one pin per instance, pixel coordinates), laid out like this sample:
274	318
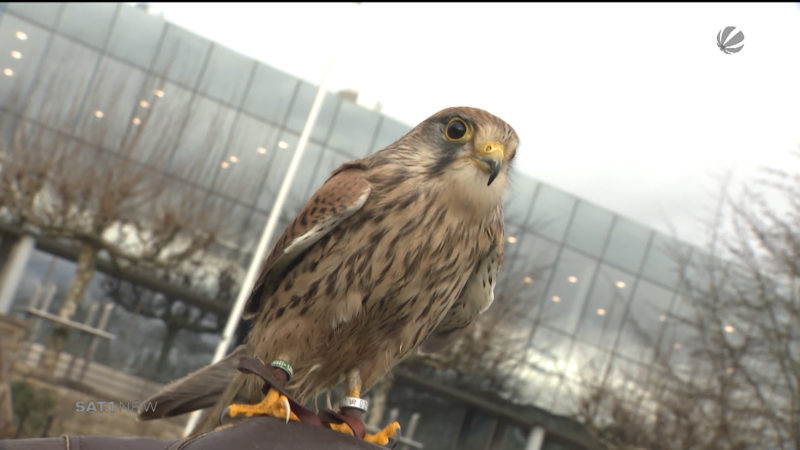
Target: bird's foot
274	404
382	437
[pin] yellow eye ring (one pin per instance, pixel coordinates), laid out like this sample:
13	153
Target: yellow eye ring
457	130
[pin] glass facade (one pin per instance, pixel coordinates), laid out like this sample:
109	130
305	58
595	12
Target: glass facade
590	287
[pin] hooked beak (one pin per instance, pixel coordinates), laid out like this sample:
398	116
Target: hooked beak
489	158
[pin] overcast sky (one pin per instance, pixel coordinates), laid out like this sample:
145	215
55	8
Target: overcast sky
631	106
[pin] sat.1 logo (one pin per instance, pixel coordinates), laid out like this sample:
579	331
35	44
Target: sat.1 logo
728	43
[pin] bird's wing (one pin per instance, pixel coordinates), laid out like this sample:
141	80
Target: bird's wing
475	298
344	193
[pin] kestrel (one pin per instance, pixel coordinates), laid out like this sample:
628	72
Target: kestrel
395	248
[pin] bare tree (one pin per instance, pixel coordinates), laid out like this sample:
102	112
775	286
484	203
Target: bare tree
71	172
726	371
175	313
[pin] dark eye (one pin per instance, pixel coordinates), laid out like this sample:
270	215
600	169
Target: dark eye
456	129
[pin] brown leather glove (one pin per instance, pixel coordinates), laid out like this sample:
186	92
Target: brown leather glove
263	433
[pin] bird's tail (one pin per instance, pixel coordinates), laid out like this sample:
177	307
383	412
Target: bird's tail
200	389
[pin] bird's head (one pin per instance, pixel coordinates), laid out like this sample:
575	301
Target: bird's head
462	153
468	139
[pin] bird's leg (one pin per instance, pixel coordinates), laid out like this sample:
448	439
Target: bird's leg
354	406
274	403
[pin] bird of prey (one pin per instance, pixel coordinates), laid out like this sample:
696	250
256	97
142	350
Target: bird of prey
395	248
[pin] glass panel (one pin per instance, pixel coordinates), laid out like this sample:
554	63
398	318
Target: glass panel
625	377
236	216
546	361
182	56
647	313
390	131
513	437
568	289
605	307
589	228
159	121
248	156
699	270
441	418
476	430
627	244
527	267
227	75
522	189
277	172
64	78
676	345
135	36
551	212
200	150
110	105
254	228
353	130
21	57
43	13
270	94
566	401
298	114
586	363
663	261
88	22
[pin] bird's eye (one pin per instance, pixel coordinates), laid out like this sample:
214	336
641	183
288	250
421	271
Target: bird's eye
456	129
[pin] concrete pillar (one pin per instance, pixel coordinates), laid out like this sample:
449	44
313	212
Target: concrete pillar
11	270
535	439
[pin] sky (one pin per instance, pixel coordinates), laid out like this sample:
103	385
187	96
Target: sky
630	106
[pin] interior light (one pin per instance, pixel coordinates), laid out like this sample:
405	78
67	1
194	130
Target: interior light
159	93
137	121
21	35
99	114
262	150
234	159
556	299
621	284
283	144
729	329
144	104
511	240
601	312
224	164
528	280
16	54
572	279
8	72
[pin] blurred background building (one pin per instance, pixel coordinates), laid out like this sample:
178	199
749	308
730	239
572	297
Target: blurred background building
584	295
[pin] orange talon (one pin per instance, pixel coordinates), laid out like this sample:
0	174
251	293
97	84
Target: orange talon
382	437
341	428
274	404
